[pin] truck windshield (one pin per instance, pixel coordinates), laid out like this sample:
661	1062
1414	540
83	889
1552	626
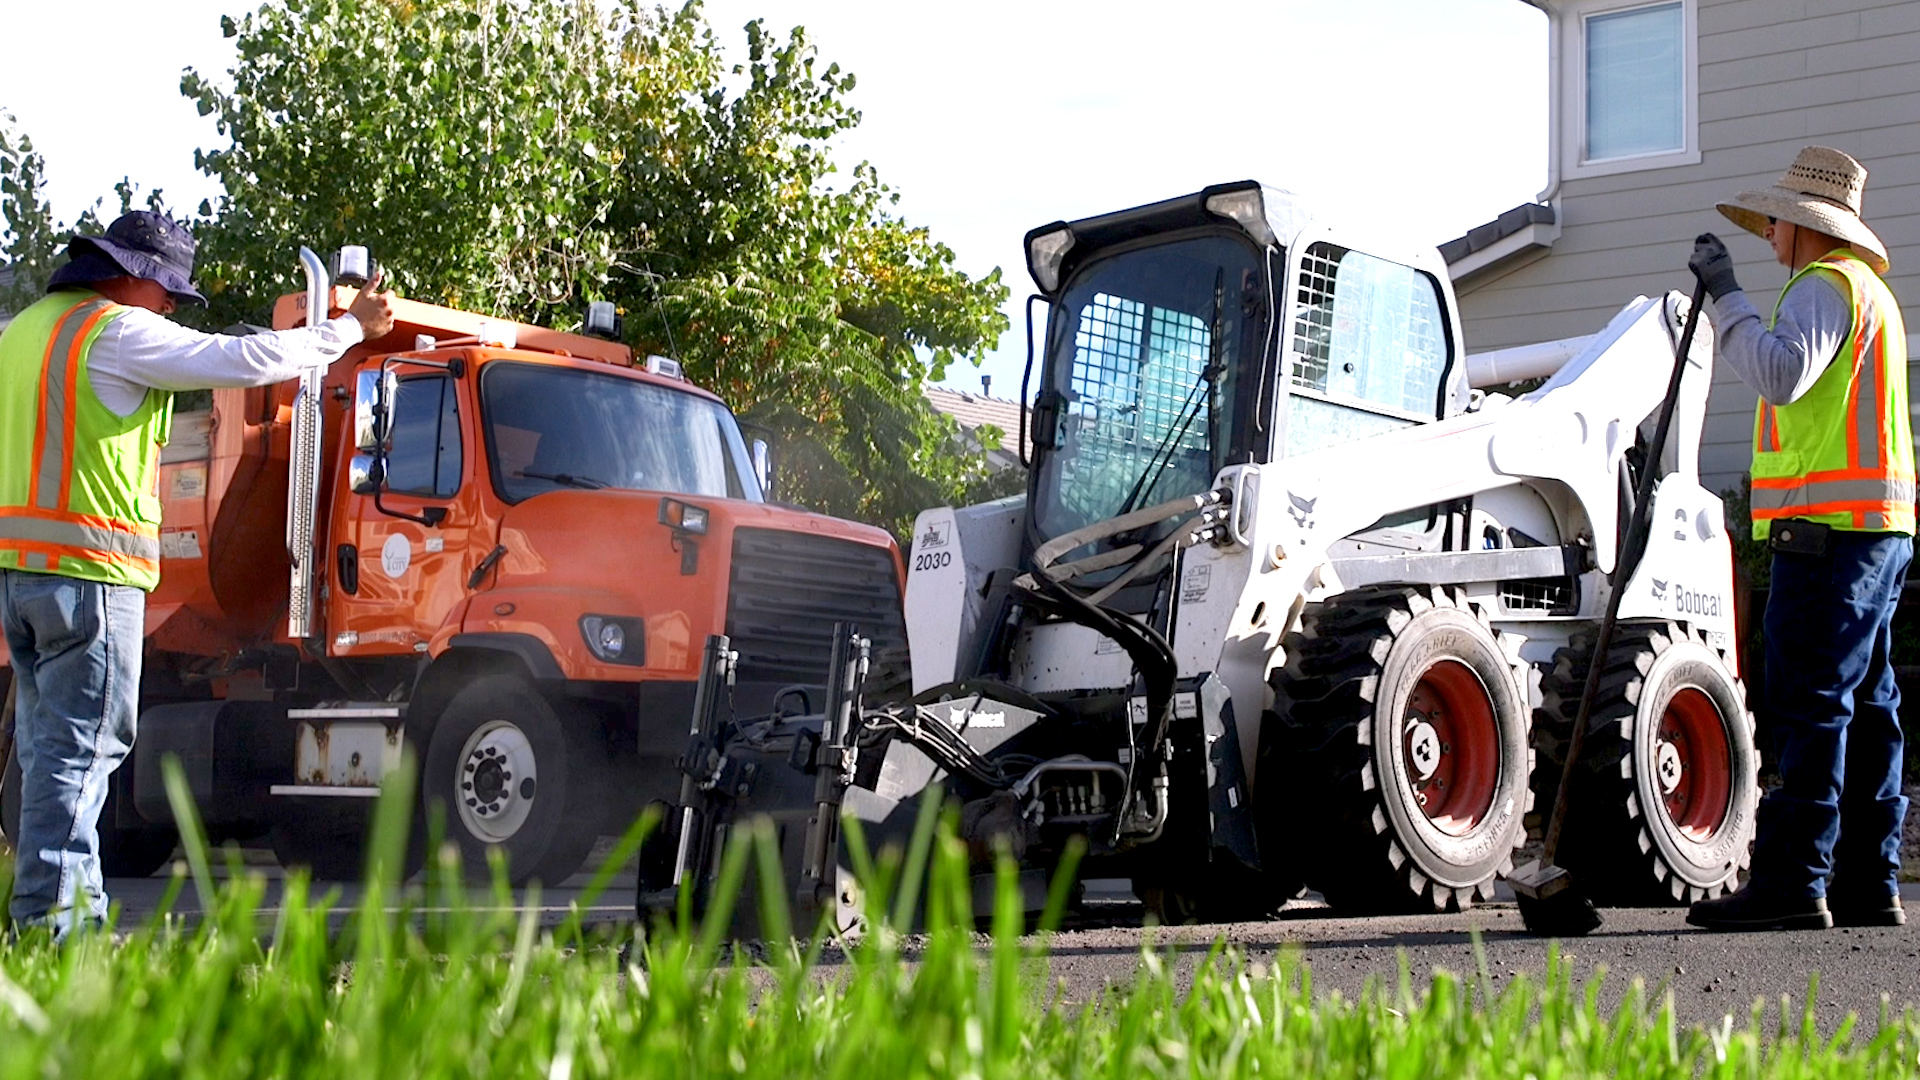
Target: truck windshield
1149	351
552	427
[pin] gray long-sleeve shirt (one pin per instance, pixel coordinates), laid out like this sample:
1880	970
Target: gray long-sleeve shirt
1783	363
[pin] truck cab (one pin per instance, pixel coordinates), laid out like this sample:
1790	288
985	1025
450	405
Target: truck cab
517	541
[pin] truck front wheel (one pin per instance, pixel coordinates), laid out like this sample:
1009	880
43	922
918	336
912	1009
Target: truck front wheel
517	773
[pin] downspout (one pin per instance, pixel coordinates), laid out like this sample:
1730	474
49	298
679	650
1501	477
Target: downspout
1551	193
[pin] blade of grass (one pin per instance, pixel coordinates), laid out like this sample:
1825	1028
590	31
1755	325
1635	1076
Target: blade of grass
193	837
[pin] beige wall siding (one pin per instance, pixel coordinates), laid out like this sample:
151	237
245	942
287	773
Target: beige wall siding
1775	75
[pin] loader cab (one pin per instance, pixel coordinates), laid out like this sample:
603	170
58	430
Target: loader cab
1222	328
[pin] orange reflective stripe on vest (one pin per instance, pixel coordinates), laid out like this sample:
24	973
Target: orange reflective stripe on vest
80	535
53	442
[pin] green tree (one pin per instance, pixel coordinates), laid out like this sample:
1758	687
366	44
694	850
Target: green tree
32	241
526	156
30	238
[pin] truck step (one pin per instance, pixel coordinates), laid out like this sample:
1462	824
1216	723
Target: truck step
351	710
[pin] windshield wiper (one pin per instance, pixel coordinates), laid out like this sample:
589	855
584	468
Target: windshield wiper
570	480
1190	408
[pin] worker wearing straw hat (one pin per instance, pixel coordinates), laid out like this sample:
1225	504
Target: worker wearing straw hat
1833	491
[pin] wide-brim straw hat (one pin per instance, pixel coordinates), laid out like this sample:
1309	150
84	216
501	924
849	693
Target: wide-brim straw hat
1821	190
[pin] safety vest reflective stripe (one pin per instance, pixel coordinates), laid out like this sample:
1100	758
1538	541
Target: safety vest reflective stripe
1767	434
53	449
81	535
1833	496
1865	403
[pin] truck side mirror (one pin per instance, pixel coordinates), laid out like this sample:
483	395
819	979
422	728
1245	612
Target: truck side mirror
373	398
365	474
763	466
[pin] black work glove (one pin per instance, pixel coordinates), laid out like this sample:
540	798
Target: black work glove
1712	265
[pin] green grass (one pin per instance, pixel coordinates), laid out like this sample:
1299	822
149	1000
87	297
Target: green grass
472	992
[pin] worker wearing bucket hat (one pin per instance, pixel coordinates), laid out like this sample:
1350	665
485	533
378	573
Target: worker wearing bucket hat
1833	495
87	375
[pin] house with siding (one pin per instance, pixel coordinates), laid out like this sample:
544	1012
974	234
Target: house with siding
1660	109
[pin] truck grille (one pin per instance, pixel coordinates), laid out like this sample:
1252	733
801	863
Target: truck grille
789	589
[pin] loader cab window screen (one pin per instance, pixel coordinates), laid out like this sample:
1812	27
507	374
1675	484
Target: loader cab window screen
1369	349
1147	362
425	459
560	428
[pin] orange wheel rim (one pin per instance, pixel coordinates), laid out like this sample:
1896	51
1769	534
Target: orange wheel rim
1693	765
1450	745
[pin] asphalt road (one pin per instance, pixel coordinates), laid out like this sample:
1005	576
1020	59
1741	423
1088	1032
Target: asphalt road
1709	975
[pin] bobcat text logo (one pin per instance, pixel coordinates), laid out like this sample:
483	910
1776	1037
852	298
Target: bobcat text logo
963	719
1686	602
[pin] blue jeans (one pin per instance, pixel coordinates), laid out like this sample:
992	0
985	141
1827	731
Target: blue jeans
76	664
1834	709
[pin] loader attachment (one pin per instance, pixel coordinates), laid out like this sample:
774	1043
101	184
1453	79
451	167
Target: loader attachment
1024	775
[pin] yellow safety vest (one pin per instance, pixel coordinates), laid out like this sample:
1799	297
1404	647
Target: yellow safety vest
78	484
1842	454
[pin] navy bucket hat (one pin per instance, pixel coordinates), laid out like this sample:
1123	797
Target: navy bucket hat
143	244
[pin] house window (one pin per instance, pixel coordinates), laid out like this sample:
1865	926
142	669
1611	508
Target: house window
1626	85
1636	82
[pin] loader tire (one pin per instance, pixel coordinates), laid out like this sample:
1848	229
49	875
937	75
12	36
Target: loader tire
1395	762
1665	794
520	773
132	852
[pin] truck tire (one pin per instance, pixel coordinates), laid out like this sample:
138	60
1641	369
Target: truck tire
123	852
1398	761
520	773
1667	788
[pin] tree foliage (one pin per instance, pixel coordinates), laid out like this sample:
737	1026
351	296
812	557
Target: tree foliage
523	157
32	239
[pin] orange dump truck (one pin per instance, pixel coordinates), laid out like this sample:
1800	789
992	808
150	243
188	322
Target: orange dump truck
515	543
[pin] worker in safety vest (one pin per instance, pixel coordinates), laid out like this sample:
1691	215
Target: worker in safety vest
87	375
1833	495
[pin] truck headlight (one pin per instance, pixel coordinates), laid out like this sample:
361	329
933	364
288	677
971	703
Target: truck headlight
615	639
684	517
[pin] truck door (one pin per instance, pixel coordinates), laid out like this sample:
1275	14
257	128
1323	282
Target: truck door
395	575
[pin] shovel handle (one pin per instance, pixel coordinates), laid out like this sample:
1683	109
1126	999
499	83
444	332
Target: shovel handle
1633	544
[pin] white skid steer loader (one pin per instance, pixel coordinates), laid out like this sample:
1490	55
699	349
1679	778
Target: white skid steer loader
1288	602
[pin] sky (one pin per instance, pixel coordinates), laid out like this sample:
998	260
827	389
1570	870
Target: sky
1425	117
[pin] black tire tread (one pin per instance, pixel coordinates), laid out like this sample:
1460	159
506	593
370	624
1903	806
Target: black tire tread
1604	842
1324	700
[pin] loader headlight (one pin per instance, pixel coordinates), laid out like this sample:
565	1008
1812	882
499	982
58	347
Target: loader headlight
1047	247
615	639
1247	207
